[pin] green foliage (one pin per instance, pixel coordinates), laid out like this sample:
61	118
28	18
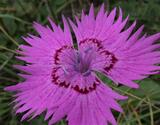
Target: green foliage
16	18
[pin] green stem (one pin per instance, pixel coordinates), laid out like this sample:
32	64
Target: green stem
15	18
151	111
9	50
8	36
5	62
63	6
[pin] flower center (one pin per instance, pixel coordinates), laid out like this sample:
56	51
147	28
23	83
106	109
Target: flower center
82	65
74	69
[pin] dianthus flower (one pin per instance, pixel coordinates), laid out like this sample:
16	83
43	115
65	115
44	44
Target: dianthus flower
61	79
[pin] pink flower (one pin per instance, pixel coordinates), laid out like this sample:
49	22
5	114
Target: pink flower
61	79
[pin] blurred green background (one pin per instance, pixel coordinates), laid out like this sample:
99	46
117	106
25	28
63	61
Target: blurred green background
16	18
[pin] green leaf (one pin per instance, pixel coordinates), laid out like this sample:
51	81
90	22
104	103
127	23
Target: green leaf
151	88
148	88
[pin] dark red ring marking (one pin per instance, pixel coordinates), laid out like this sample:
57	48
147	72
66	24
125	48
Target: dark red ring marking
59	51
87	90
64	84
92	40
113	60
